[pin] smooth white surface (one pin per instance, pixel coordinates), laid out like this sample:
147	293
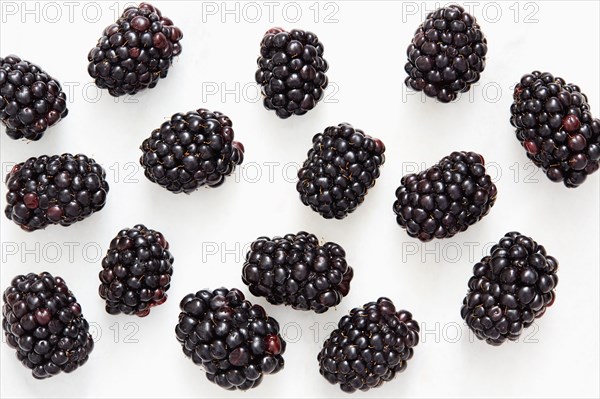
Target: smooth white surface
209	229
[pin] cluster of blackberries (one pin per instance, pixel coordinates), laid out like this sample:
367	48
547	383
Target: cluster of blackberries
446	198
556	128
295	270
30	99
446	55
136	271
509	289
191	150
291	71
134	52
234	341
42	321
370	346
342	165
58	189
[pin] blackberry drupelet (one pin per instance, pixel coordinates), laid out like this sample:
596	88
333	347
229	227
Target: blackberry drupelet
42	321
446	198
370	346
509	289
235	342
136	271
59	189
135	52
446	55
342	165
191	150
295	270
291	71
556	128
31	100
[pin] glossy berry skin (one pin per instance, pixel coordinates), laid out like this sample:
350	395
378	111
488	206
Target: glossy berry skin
31	100
555	126
58	189
295	270
136	271
191	150
342	165
291	71
370	346
234	341
509	289
42	321
445	199
135	52
446	55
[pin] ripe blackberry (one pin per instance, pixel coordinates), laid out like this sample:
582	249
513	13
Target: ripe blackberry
134	52
31	100
556	128
446	198
295	270
235	342
291	71
136	271
342	165
191	150
42	321
446	55
59	189
509	289
369	347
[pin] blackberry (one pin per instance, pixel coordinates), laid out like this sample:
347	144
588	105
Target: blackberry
295	270
370	346
509	289
291	71
191	150
135	52
42	321
58	189
234	341
446	55
556	128
342	165
446	198
31	100
136	271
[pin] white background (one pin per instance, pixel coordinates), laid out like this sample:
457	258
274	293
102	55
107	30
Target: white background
365	45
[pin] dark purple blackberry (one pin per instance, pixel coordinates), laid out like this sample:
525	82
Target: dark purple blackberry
136	271
58	189
234	341
342	165
191	150
42	321
370	346
31	100
556	128
291	71
509	289
135	52
295	270
446	198
446	55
